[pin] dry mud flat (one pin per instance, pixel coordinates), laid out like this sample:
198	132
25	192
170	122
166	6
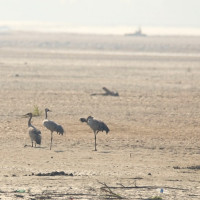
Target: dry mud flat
153	145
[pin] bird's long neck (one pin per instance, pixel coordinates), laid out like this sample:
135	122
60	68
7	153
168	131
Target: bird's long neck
45	114
29	121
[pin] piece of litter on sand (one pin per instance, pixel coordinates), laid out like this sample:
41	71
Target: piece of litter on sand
20	191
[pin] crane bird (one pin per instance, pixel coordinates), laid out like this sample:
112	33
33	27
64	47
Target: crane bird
52	126
96	126
34	133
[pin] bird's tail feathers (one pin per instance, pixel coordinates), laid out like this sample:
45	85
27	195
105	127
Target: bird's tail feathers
59	130
38	139
107	129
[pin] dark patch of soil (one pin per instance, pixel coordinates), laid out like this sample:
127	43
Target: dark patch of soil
55	173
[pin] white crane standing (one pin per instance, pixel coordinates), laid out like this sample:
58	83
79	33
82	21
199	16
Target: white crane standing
52	126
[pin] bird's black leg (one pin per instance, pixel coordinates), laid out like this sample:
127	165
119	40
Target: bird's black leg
32	143
51	139
95	141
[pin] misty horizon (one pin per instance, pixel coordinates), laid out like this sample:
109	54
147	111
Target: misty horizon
113	30
179	17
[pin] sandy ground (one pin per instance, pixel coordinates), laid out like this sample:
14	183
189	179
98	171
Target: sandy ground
154	139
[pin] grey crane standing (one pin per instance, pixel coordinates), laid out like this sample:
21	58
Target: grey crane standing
96	126
52	126
34	133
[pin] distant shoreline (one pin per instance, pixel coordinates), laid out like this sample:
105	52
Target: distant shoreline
100	30
129	35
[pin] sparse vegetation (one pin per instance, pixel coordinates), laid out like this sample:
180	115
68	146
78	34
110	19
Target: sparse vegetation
36	111
155	198
108	192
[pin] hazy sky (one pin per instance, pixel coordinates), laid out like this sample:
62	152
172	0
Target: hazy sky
173	13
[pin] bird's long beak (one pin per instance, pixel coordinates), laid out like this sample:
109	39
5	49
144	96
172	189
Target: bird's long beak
25	116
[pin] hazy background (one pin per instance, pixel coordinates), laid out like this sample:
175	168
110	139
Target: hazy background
102	16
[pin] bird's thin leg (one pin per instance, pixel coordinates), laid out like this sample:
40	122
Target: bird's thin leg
95	141
35	144
32	143
51	139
